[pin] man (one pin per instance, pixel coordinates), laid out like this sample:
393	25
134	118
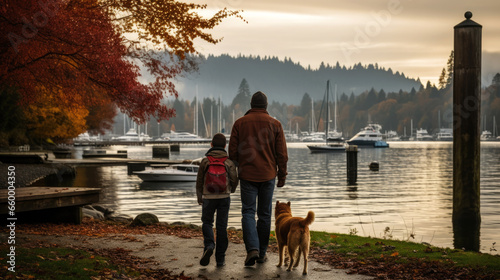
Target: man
258	147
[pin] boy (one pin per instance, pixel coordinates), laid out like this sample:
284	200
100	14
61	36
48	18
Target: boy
217	178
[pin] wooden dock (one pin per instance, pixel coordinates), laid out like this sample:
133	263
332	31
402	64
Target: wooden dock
47	204
105	143
23	157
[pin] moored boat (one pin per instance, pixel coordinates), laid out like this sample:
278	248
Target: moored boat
486	135
175	173
334	141
381	144
445	134
131	135
367	136
423	135
332	145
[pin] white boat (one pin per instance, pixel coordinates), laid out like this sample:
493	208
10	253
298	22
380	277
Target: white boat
175	173
487	136
313	137
392	135
445	134
131	135
85	137
423	135
367	136
334	143
182	136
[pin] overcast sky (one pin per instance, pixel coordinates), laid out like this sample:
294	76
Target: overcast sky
410	36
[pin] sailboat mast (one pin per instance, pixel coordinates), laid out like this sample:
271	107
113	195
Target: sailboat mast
494	127
312	115
327	109
335	114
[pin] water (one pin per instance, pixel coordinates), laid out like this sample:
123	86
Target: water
411	194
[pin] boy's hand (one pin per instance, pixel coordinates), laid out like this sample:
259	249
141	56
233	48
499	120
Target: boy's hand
200	201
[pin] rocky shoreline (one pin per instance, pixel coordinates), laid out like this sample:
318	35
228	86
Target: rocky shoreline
26	174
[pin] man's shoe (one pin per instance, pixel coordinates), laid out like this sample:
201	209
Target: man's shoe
205	260
262	259
252	256
221	264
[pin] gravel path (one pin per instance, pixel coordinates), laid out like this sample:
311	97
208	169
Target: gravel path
182	255
26	174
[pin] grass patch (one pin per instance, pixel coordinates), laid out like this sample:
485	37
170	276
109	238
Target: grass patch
363	248
59	263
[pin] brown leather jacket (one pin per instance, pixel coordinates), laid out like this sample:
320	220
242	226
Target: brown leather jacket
258	147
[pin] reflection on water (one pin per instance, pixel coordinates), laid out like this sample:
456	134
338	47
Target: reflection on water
411	193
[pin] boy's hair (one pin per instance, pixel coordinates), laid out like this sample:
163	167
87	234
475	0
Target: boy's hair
219	140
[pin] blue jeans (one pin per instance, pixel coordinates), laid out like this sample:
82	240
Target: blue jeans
207	217
256	197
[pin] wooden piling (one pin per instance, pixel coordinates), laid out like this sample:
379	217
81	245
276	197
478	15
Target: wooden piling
161	151
175	148
466	133
352	164
136	166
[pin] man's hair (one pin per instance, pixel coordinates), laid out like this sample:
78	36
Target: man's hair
219	140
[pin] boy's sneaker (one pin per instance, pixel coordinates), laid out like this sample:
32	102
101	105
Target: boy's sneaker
205	260
262	259
220	262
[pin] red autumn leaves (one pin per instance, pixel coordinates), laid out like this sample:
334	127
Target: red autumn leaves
74	61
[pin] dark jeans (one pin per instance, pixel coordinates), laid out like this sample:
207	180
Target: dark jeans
207	217
256	197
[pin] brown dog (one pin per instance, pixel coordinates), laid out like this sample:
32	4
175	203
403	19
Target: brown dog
292	232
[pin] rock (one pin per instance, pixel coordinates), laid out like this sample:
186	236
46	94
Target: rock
119	218
145	219
89	211
193	226
103	210
178	223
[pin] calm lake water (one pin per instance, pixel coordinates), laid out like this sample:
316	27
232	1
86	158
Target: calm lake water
411	194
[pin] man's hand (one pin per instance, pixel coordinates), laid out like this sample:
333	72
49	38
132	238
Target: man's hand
200	201
281	183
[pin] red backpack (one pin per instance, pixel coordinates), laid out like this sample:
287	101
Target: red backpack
216	175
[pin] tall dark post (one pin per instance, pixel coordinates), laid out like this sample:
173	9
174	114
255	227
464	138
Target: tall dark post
466	134
352	164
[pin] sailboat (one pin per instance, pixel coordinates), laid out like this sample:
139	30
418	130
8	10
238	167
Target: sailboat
334	143
486	135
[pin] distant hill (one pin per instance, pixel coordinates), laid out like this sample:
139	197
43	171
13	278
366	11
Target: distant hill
286	81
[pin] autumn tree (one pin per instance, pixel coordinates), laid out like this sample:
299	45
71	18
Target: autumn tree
100	117
81	47
11	118
49	117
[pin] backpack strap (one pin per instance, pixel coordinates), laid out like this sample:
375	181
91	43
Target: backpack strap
212	159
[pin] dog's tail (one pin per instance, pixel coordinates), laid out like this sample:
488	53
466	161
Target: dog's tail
308	220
